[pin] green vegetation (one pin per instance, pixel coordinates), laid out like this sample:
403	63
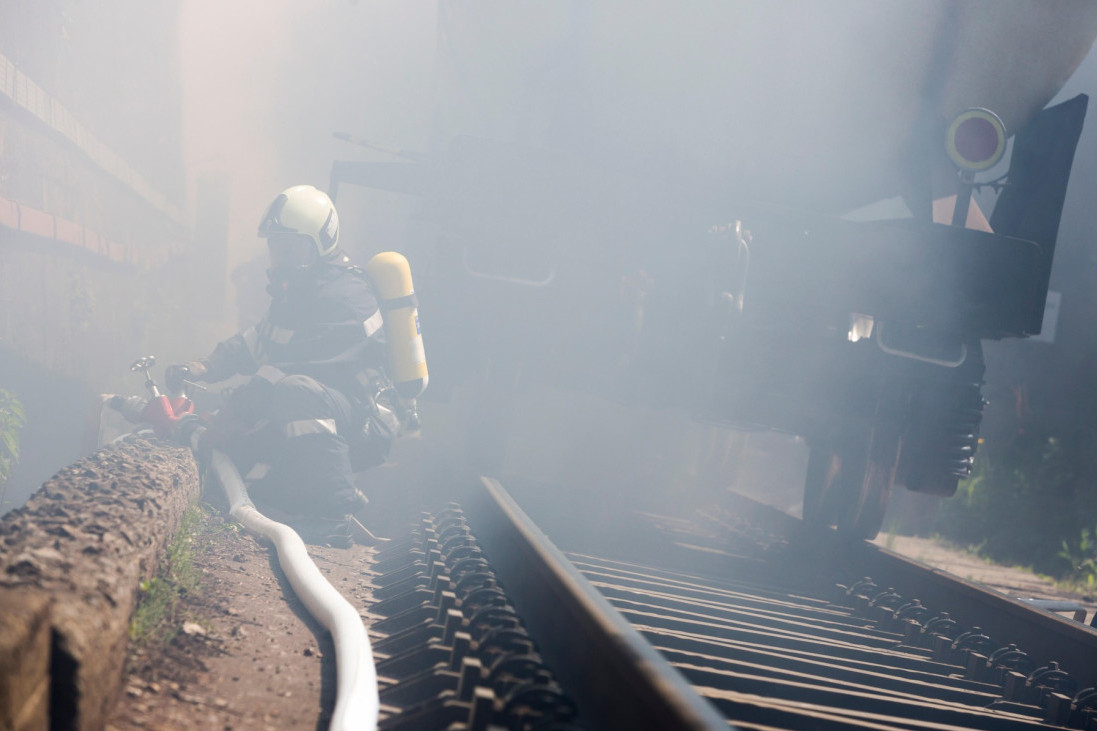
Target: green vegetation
159	614
12	421
1028	503
1081	557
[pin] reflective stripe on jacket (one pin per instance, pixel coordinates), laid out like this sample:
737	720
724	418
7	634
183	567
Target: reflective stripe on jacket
329	330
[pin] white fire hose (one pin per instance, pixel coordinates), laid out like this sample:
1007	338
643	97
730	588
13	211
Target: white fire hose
357	703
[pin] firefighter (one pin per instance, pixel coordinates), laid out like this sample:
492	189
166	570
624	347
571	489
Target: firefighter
318	404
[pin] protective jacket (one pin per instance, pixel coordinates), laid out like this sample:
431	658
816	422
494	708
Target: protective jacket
316	409
326	326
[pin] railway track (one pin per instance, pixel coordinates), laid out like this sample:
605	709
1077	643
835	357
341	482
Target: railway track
737	618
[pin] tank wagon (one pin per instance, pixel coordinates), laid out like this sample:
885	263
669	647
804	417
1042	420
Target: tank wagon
757	214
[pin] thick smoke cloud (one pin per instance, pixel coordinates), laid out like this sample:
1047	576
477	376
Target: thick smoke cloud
798	103
265	84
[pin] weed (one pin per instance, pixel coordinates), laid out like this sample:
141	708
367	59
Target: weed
1023	499
12	420
158	615
1081	557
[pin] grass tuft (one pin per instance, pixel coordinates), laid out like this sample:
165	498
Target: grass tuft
158	617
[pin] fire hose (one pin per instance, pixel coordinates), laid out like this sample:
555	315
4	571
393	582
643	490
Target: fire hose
357	703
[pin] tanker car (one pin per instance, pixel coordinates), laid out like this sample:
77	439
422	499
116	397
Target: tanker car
655	203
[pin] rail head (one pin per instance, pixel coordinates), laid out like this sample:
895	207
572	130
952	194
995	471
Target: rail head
615	676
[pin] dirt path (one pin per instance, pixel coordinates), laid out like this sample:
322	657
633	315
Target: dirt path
253	658
1009	580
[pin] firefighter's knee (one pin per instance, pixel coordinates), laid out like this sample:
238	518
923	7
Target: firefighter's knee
297	394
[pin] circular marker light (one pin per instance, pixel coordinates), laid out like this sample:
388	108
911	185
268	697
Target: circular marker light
976	139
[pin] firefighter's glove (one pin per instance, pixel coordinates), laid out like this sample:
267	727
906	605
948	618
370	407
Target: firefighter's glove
176	375
186	427
408	412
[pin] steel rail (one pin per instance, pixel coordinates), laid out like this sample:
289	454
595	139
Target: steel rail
766	635
617	678
357	704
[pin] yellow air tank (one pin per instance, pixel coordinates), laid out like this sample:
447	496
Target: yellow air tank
390	275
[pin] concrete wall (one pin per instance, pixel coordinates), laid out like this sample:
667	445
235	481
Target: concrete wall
71	560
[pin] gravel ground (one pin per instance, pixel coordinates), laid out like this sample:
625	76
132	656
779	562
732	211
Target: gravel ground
250	656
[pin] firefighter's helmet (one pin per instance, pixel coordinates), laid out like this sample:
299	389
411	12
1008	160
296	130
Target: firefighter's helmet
306	210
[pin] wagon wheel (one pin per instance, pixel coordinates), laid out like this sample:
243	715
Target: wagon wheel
864	515
823	488
848	484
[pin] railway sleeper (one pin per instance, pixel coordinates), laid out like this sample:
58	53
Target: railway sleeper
452	652
434	682
391	645
881	677
1047	692
733	687
743	608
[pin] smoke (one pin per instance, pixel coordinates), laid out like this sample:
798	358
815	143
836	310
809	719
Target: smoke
707	103
823	106
265	84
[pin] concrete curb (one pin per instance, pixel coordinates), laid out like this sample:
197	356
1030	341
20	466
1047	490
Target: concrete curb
24	660
70	563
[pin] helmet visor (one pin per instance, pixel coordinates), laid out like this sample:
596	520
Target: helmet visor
291	250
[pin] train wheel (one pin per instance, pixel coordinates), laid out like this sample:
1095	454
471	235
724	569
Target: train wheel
864	515
849	485
824	495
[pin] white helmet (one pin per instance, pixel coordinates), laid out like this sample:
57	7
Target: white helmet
303	209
